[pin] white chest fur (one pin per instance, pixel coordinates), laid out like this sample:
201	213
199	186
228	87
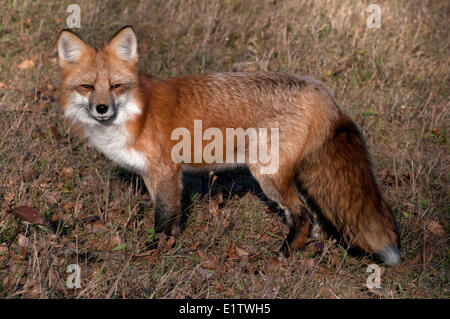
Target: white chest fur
113	142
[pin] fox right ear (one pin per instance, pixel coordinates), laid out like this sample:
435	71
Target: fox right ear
124	45
70	47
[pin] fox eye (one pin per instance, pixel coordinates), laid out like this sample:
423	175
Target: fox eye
116	86
87	86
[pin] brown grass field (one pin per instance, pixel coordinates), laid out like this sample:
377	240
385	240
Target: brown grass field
394	81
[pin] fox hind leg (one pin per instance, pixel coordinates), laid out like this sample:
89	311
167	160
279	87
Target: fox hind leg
299	231
277	189
316	231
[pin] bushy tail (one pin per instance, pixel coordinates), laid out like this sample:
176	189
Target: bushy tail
336	180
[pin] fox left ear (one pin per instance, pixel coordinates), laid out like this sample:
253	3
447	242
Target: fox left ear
71	48
124	44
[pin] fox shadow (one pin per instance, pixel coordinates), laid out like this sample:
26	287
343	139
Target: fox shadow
228	184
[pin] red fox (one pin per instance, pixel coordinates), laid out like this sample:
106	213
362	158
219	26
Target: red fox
322	170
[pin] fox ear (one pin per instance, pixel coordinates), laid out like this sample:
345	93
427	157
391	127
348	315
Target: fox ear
70	47
124	44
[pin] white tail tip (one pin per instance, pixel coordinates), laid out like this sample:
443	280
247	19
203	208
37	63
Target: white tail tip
390	255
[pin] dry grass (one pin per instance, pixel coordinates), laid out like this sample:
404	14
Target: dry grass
394	81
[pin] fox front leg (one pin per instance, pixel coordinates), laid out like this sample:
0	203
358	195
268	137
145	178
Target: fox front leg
148	184
165	189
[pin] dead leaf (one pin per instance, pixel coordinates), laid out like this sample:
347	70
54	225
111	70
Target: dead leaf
325	271
205	261
308	263
23	241
67	172
68	206
105	243
94	227
32	289
220	287
27	214
2	85
326	293
27	23
195	246
114	213
14	180
435	228
436	131
61	218
149	256
19	255
8	198
243	257
427	253
387	177
91	219
165	243
274	264
265	238
207	273
242	254
407	179
113	242
53	197
230	253
27	64
146	253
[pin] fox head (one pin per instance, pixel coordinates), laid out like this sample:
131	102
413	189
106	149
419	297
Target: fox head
98	85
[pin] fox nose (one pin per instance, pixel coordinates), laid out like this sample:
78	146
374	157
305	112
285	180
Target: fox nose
101	108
